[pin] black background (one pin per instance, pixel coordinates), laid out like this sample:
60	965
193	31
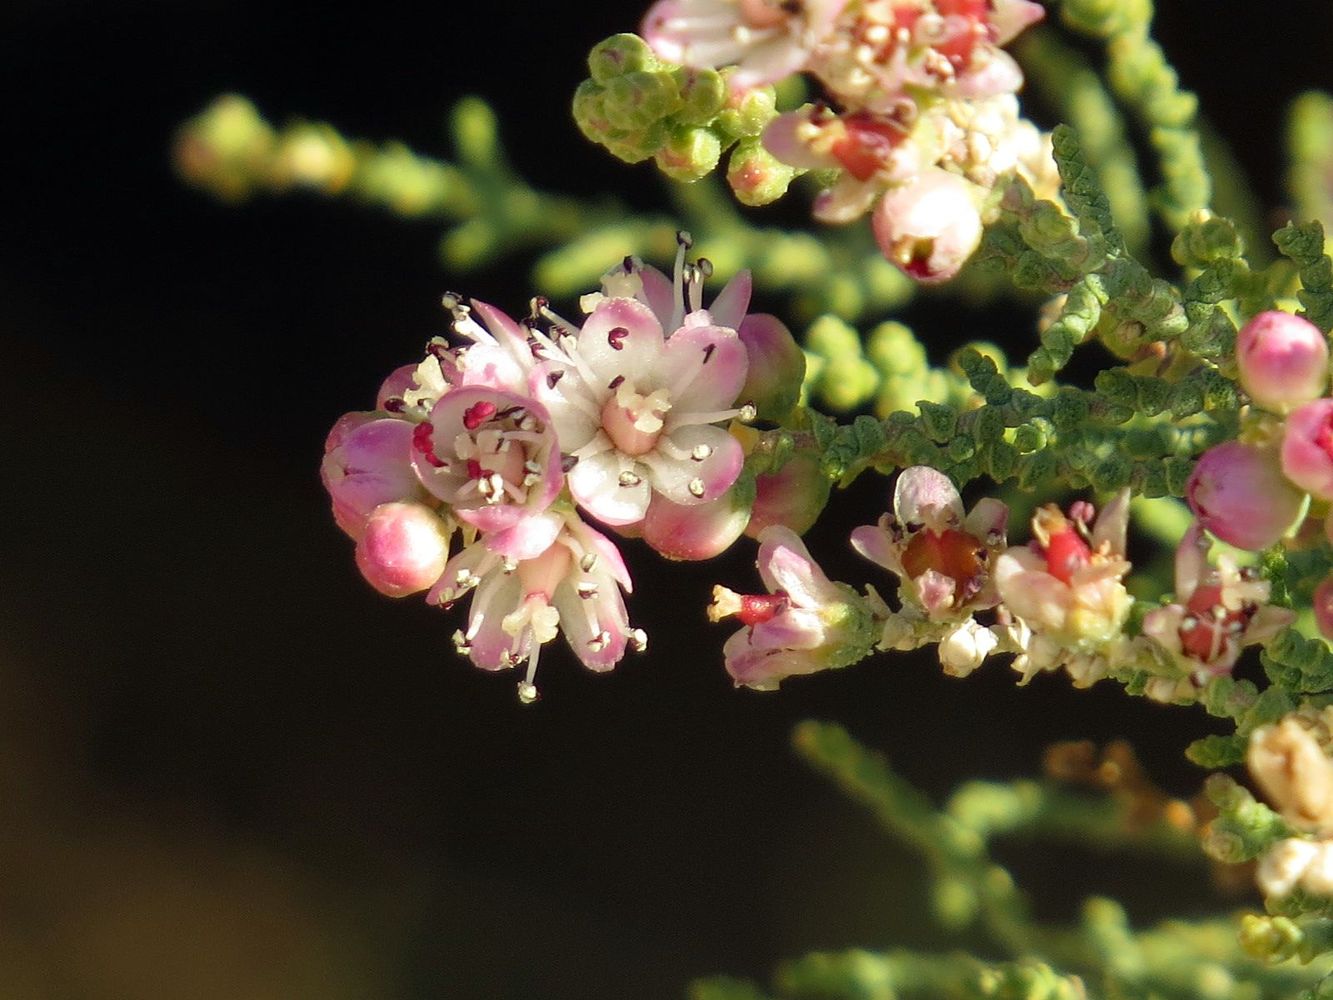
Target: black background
228	768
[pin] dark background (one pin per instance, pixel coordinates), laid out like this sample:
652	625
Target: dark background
227	767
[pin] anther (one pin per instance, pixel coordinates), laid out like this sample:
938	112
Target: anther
697	487
628	478
708	352
747	413
638	640
586	589
394	405
704	266
684	239
568	462
700	452
588	562
527	692
600	641
616	382
554	377
616	338
478	413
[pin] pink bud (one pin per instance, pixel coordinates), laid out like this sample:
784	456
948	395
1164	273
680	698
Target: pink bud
1283	360
930	226
402	549
1238	493
776	366
367	462
697	531
1307	448
792	497
1322	604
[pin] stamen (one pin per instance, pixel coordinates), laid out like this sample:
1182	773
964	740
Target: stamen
586	589
638	640
554	377
628	478
616	383
589	562
616	338
478	413
701	452
697	487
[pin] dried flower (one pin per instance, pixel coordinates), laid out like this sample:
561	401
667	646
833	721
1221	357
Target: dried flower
804	624
1294	772
1216	612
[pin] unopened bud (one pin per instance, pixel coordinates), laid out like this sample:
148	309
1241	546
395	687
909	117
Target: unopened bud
1307	448
930	226
1283	360
1238	493
689	154
403	548
756	176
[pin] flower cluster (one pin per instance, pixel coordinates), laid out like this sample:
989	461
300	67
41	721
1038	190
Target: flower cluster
921	119
507	439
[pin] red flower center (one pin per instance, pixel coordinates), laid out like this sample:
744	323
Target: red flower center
952	553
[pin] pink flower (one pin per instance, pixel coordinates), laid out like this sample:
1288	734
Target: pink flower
872	151
368	462
571	586
766	40
636	411
676	301
943	559
888	51
805	623
1066	585
1283	360
403	548
1215	613
1238	493
1307	448
930	226
493	457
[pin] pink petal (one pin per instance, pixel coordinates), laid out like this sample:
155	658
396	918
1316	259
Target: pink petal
989	518
633	353
1191	562
728	309
999	75
595	483
1113	523
710	478
872	542
659	292
924	495
704	368
781	138
498	595
582	619
527	537
785	565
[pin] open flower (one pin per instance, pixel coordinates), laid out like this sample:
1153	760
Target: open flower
1216	611
885	51
942	558
571	586
805	623
1065	589
766	40
492	456
636	411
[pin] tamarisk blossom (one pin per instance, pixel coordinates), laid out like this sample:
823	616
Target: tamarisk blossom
766	40
804	624
943	560
1216	611
1238	493
519	604
368	462
1062	595
883	52
635	406
492	456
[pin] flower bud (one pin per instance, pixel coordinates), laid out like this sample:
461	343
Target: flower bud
367	462
756	176
1307	448
1322	605
793	496
1283	360
689	154
698	531
1238	493
776	366
403	548
930	226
